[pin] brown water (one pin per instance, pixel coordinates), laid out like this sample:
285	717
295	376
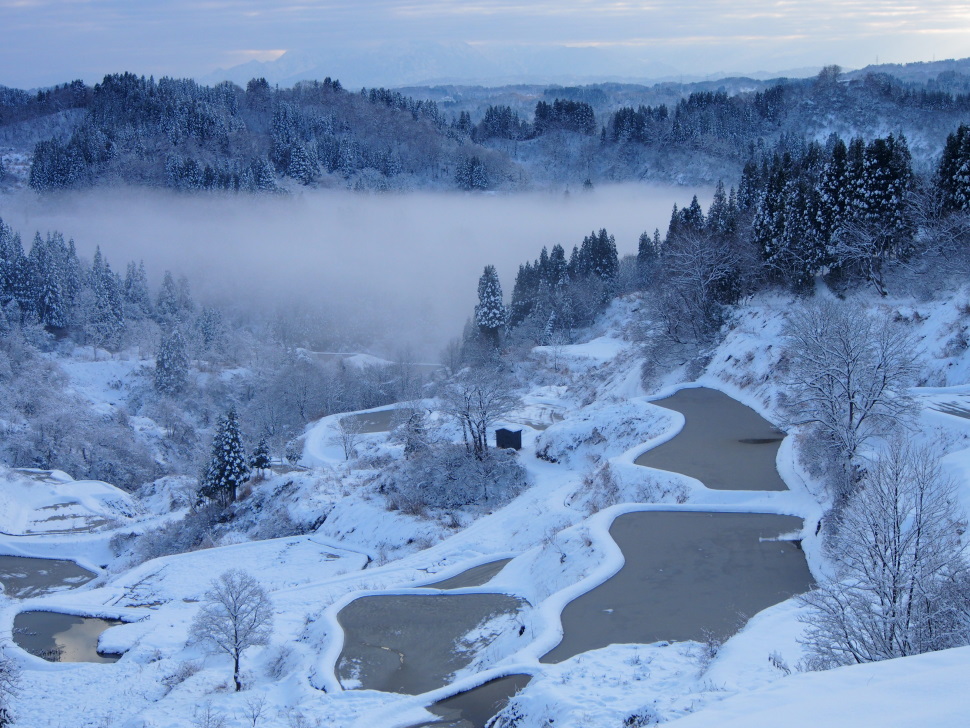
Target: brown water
24	577
475	576
473	708
685	573
409	643
724	444
61	637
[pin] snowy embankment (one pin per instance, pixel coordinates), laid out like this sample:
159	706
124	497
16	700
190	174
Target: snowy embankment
590	402
49	502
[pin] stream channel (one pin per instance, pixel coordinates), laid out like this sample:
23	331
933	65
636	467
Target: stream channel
54	636
686	574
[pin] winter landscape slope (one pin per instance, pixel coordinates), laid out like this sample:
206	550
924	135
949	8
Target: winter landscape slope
555	532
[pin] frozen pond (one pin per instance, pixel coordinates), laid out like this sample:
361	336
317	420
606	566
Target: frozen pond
724	444
61	637
413	643
685	573
24	577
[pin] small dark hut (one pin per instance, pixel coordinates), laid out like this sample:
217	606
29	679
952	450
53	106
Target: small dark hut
508	439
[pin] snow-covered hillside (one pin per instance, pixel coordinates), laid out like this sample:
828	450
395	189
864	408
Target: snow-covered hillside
583	410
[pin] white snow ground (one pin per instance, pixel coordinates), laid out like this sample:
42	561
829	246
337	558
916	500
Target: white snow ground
560	551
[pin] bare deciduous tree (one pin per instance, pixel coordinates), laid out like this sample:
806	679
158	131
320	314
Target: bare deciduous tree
476	398
237	614
348	434
849	374
901	587
700	273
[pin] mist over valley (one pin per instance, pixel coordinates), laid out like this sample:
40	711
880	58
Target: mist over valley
386	272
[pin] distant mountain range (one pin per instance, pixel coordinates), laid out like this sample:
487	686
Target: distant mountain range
413	63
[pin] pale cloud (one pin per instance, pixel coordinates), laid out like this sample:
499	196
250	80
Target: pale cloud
241	56
47	41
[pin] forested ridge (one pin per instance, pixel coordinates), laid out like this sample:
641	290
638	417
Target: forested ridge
178	134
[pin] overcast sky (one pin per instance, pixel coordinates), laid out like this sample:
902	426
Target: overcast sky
50	41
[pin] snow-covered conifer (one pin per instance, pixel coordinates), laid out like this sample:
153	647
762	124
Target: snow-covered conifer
106	321
138	303
227	468
260	460
166	305
490	313
171	365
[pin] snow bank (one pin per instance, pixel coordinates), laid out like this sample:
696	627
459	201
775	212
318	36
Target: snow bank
926	689
50	502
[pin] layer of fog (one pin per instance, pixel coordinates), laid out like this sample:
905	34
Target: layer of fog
387	271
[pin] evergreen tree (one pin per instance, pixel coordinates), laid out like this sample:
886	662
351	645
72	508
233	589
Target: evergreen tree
692	216
490	313
953	172
73	279
302	165
557	272
51	305
25	289
597	257
523	294
718	215
167	303
171	365
260	458
648	254
211	331
833	191
227	468
471	174
106	321
138	303
10	251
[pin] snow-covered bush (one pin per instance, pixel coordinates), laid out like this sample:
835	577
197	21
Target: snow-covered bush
600	432
599	490
447	476
9	685
182	672
280	661
176	537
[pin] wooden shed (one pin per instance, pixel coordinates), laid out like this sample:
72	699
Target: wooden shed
508	439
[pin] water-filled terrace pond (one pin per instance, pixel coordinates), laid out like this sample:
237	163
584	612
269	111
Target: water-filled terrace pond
412	643
24	577
59	637
724	444
685	574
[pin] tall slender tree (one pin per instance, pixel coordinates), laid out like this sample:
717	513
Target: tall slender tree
228	467
172	364
490	313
